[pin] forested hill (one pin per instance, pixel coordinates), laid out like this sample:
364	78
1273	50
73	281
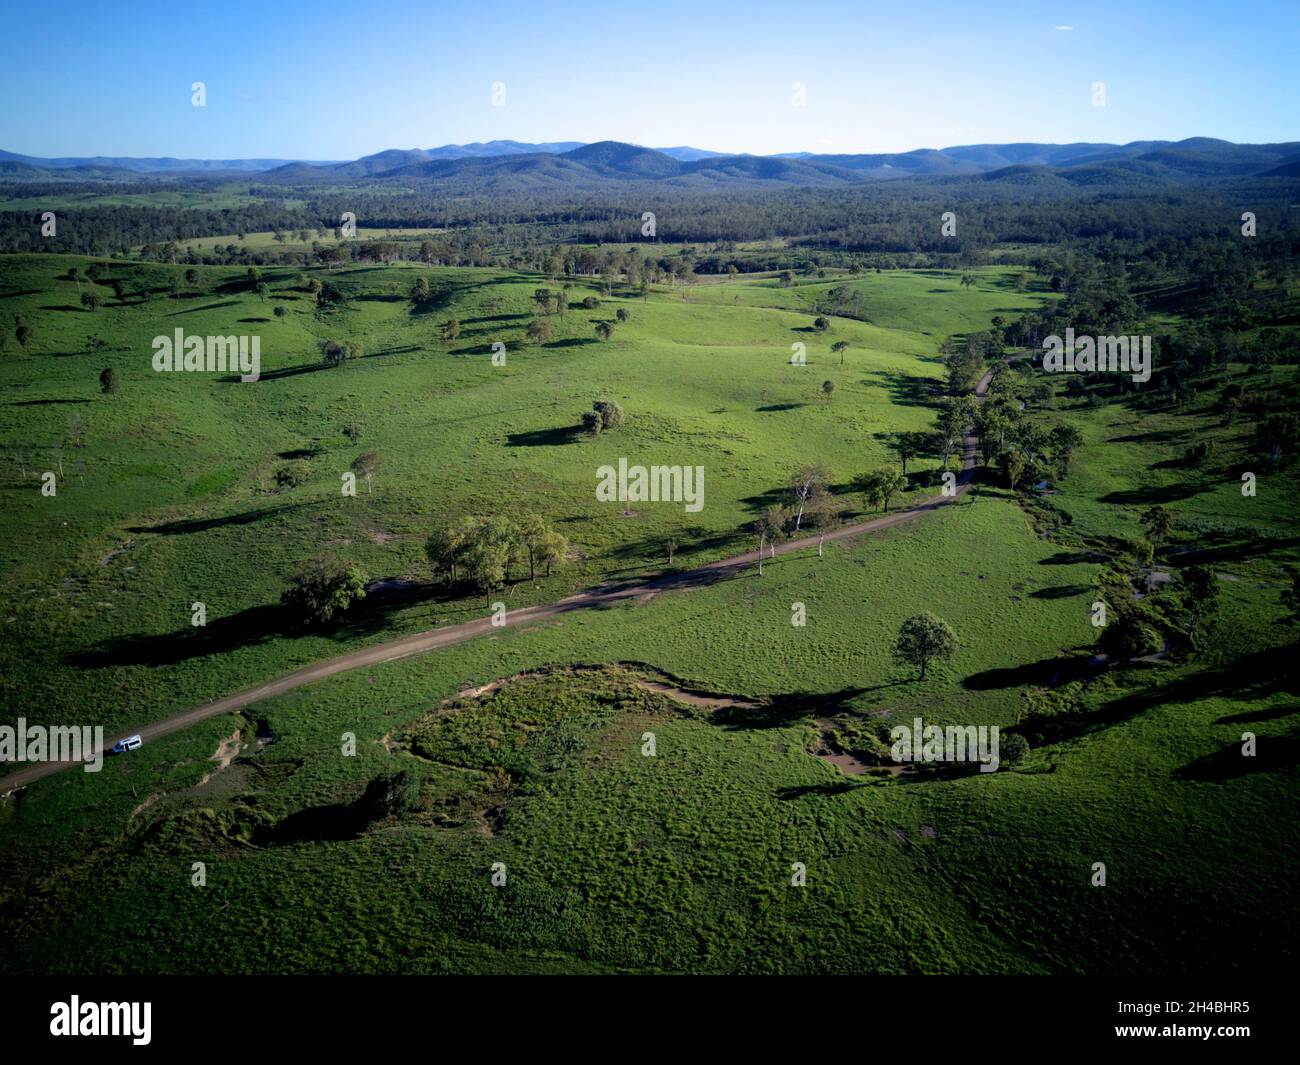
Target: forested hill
512	166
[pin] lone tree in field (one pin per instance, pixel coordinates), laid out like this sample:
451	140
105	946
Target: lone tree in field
91	300
451	329
420	292
326	587
333	352
622	314
828	390
604	330
367	465
1159	524
1201	597
108	380
611	414
539	331
924	638
821	323
839	348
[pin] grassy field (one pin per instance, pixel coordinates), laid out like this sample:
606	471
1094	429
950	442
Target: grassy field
266	241
615	860
172	499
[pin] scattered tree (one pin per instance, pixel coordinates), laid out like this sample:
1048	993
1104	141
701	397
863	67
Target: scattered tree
326	587
879	486
611	414
1158	522
807	483
924	638
367	465
1201	598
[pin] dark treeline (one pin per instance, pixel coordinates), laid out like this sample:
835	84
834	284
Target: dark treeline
888	219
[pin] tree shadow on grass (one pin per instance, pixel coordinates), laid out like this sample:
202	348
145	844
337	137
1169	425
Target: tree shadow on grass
1044	673
565	434
571	342
248	628
495	318
1268	713
783	710
803	791
205	307
257	625
905	390
193	525
1245	679
287	371
1160	436
1272	753
1062	591
1231	549
332	822
1152	494
398	350
1072	558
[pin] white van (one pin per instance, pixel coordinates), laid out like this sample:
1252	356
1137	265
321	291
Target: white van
128	744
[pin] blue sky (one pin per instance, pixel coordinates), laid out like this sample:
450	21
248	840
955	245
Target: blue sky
334	80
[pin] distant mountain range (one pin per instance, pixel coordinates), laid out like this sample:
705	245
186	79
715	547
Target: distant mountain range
504	165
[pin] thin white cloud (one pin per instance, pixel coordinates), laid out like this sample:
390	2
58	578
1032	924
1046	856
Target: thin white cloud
1067	29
